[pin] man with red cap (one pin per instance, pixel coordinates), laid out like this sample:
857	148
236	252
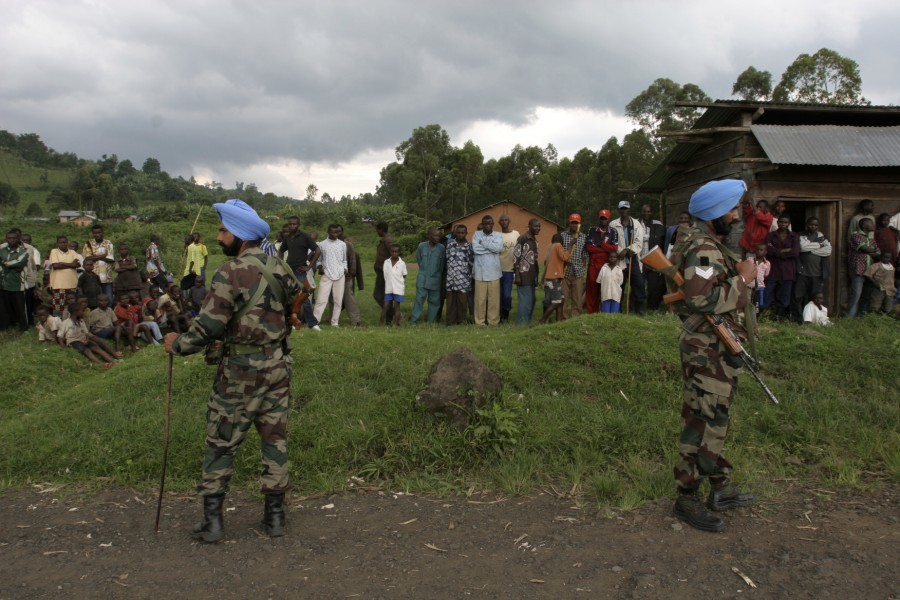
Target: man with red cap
601	240
573	280
715	283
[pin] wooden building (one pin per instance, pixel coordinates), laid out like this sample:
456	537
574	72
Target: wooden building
518	220
82	219
821	160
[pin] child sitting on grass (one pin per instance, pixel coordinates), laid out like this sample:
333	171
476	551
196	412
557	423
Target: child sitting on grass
127	318
79	338
394	285
195	296
815	312
48	325
150	314
172	304
102	321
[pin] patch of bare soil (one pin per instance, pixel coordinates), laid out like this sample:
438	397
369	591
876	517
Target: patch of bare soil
807	544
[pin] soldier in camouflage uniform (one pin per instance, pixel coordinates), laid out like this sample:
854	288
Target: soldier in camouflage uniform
246	311
715	283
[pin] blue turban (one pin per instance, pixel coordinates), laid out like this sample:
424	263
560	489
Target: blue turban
716	198
240	219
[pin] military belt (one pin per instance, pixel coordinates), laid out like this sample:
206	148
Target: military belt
269	350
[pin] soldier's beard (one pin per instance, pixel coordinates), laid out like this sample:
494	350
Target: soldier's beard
233	248
721	227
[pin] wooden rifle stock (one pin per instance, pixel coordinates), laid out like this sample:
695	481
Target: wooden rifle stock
656	260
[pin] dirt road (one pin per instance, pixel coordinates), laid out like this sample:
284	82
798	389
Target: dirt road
56	543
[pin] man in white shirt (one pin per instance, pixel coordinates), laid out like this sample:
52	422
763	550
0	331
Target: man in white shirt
631	233
816	312
333	266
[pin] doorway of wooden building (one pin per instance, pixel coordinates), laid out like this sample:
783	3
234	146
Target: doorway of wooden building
828	212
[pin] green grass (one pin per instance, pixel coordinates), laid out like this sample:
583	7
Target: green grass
592	403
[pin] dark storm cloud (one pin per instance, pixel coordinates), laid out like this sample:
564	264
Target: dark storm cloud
209	83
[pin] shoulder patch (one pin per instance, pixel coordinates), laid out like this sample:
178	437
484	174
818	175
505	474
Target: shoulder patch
704	273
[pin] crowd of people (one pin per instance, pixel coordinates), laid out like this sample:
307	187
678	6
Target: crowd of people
98	298
460	278
470	279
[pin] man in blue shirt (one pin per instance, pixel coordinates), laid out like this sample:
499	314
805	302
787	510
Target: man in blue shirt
487	246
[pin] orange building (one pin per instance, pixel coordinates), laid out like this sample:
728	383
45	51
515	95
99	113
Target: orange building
518	220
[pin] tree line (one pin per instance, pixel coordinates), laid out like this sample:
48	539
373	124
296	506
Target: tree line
437	181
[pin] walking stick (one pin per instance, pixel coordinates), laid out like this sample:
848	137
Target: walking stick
162	480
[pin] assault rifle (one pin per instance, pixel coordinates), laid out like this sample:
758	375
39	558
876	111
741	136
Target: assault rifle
656	260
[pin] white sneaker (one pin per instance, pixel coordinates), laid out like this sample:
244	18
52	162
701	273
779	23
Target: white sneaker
316	328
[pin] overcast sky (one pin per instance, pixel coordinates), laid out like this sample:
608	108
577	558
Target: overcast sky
288	93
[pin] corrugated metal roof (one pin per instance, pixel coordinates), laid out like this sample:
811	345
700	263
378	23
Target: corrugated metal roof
833	145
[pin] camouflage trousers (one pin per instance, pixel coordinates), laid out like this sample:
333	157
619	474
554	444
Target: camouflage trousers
248	392
710	379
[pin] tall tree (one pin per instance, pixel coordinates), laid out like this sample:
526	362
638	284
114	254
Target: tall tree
312	193
467	171
666	106
826	77
753	84
151	166
424	155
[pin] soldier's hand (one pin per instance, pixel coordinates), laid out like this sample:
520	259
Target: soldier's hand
747	270
169	340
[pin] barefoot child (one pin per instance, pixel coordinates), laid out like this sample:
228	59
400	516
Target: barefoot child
554	267
79	338
394	285
102	321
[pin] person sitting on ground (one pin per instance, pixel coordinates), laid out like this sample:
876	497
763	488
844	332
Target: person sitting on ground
177	315
610	279
102	321
149	325
394	270
82	340
48	325
195	296
554	269
127	319
89	284
71	298
881	274
816	312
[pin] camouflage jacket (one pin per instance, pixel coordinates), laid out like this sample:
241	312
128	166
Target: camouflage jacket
711	281
231	287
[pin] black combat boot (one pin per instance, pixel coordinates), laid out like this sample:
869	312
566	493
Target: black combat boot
689	508
504	316
211	529
726	495
273	518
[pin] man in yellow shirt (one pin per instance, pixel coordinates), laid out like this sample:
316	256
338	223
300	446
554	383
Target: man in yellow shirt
193	262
